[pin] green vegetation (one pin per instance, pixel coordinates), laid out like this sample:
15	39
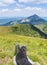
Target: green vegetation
5	30
20	29
42	27
36	48
25	29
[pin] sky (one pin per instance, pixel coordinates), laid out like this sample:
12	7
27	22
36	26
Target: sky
23	8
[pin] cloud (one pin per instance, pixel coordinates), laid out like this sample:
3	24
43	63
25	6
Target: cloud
8	1
2	4
33	8
19	3
18	12
4	10
33	1
21	8
42	1
23	1
26	1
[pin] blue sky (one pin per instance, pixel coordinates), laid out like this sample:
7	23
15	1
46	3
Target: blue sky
23	8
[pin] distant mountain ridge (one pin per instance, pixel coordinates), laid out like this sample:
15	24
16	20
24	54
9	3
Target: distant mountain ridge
34	19
7	24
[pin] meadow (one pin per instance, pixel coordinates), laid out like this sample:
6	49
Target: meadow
42	27
36	48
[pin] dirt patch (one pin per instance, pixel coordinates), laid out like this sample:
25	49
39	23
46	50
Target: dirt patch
5	61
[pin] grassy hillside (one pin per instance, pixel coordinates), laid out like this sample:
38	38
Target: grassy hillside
42	27
36	48
5	30
20	29
25	29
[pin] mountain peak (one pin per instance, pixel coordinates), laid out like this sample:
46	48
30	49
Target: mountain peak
34	19
35	15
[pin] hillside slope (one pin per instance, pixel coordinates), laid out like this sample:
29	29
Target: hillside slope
5	30
28	30
22	29
42	27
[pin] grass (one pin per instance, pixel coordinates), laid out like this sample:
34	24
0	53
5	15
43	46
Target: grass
42	27
19	29
36	48
25	29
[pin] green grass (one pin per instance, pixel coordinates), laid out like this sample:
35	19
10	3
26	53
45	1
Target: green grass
25	29
42	27
19	29
36	48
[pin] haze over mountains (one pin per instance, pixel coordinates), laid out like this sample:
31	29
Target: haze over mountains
34	19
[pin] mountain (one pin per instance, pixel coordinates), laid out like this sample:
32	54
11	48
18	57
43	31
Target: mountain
35	19
9	21
7	24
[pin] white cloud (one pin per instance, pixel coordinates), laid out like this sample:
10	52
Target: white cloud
4	10
33	1
2	4
42	1
8	1
16	9
18	12
20	5
33	8
26	1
